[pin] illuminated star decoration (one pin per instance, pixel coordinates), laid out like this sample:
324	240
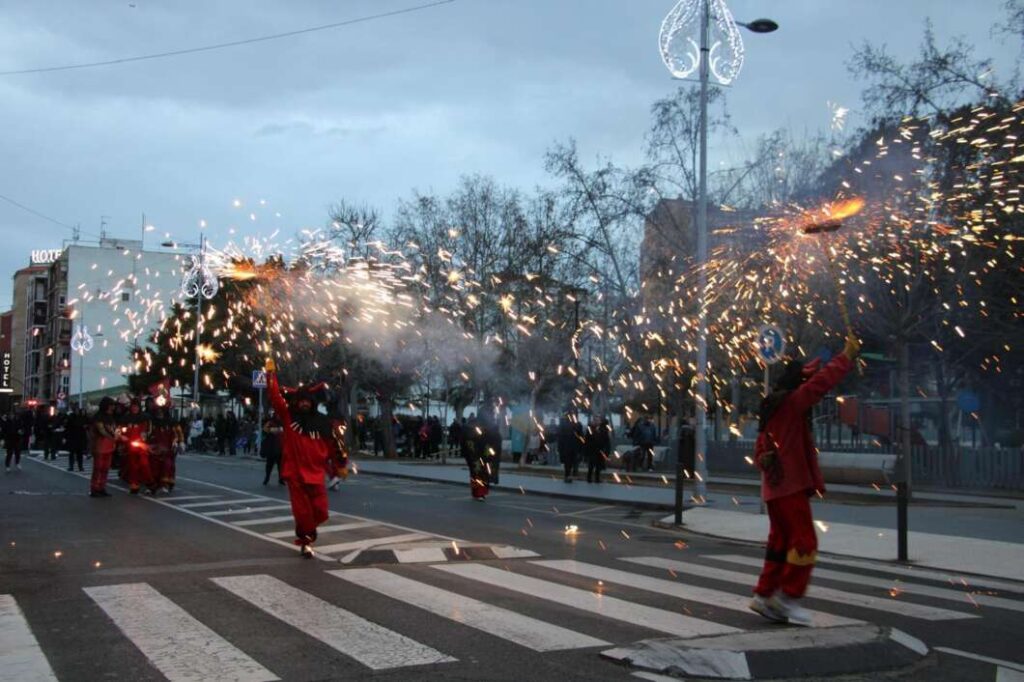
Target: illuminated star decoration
81	342
679	41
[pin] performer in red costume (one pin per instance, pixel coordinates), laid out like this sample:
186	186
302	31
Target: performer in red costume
337	466
306	444
790	475
135	427
163	442
103	442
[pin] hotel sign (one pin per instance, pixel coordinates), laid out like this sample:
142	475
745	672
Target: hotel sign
5	372
46	256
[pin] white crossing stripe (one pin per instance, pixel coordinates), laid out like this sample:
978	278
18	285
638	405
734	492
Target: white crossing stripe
942	576
323	529
370	542
703	595
984	659
217	503
420	555
1008	675
372	645
494	620
21	658
269	519
609	607
248	510
177	645
964	598
894	606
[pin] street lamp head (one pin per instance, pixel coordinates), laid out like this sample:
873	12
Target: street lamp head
760	26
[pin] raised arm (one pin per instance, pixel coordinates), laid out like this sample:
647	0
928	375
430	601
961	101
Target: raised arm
826	378
277	400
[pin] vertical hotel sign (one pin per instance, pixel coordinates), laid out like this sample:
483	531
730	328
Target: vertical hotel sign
5	372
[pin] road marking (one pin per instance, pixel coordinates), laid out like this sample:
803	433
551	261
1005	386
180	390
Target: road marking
1009	675
494	620
218	503
250	510
703	595
177	645
942	576
372	645
894	606
958	596
609	607
20	656
420	555
324	529
1019	667
180	498
372	542
269	519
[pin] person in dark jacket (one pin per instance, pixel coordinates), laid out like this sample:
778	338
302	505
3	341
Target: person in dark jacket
568	444
597	447
271	447
231	428
76	435
45	425
13	439
790	475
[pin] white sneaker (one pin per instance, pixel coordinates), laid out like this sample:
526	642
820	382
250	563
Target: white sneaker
767	607
7	470
795	613
335	482
18	467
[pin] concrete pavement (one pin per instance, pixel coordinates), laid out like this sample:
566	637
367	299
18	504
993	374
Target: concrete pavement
974	535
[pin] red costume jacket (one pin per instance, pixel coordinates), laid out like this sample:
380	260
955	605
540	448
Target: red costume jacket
787	433
303	455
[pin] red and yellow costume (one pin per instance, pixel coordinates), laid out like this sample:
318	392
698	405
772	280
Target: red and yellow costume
103	442
163	441
135	470
306	443
337	466
790	475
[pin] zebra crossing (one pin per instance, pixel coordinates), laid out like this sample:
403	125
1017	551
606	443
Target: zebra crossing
401	616
343	537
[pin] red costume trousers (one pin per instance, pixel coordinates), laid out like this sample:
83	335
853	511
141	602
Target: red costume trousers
135	470
309	507
792	547
100	469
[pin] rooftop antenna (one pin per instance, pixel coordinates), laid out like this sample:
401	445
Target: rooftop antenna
76	233
103	227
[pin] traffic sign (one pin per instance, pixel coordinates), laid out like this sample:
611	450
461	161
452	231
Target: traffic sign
968	401
771	344
259	378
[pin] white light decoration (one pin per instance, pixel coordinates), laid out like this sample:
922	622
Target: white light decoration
82	341
679	41
199	280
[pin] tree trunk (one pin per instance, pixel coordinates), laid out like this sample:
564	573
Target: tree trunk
946	449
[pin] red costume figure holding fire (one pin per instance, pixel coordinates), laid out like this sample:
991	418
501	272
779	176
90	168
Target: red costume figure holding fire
337	466
790	475
104	442
306	444
164	437
135	428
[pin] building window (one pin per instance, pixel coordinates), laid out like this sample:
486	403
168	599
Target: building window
125	297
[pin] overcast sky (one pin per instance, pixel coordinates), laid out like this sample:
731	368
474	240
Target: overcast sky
371	111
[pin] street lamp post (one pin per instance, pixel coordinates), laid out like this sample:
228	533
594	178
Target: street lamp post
723	58
199	283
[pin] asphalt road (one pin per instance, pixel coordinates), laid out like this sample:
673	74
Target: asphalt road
203	584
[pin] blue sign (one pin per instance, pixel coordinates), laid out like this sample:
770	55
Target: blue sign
259	378
968	401
771	344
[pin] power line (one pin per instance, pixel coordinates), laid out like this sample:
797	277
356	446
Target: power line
235	43
36	213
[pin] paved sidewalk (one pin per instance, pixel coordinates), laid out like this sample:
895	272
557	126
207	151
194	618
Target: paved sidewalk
961	548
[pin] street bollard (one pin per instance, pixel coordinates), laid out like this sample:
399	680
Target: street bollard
685	459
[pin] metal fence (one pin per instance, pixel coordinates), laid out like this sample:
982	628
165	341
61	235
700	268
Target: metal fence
966	468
